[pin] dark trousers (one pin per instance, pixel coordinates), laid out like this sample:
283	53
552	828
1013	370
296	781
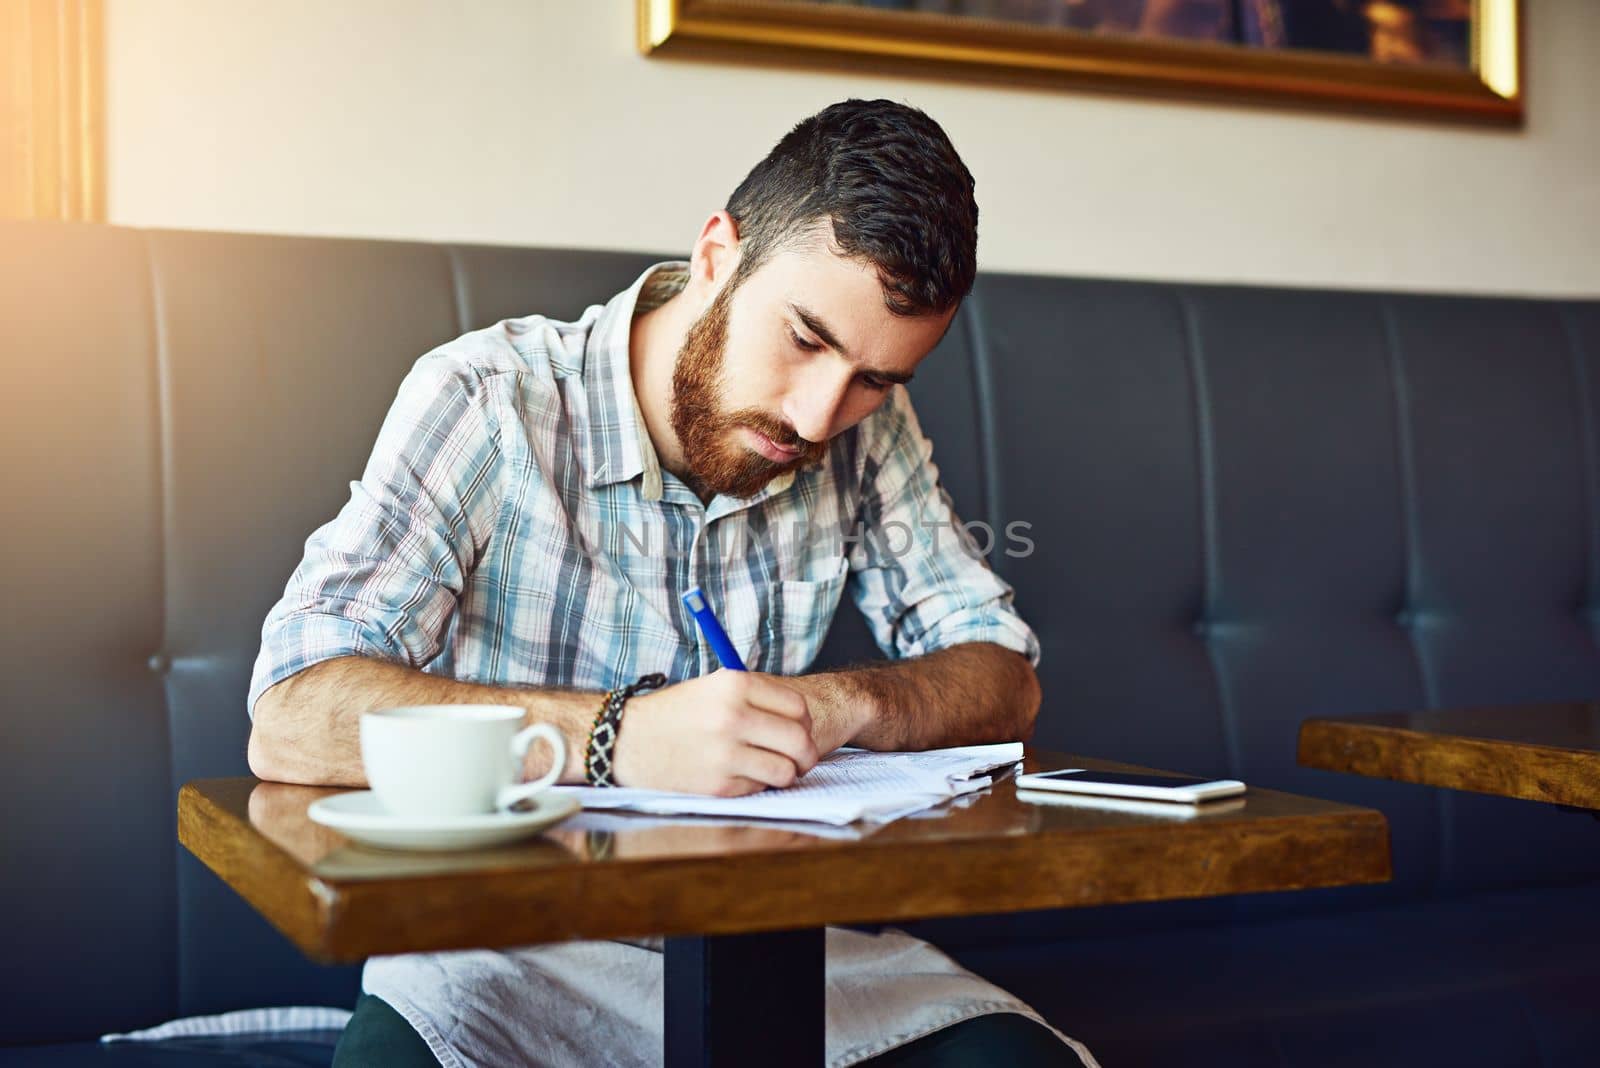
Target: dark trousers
377	1035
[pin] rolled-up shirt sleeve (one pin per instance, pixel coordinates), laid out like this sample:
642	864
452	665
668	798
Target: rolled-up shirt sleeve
383	578
914	575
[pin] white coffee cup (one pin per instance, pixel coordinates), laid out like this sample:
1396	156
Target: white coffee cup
439	761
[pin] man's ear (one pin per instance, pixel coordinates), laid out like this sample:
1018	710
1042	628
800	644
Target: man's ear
716	253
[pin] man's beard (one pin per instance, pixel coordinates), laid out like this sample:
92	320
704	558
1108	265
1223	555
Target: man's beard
717	462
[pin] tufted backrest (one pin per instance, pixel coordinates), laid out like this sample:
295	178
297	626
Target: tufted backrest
1254	505
1247	506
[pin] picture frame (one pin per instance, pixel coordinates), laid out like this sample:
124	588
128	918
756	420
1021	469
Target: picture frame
1479	80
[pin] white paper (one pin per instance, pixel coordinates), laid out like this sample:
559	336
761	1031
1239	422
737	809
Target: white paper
846	786
617	821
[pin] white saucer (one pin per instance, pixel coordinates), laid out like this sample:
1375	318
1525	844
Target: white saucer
358	815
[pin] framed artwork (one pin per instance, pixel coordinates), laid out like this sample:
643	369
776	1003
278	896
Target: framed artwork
1455	59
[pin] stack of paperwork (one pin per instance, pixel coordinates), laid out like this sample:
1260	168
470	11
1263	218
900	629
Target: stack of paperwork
846	786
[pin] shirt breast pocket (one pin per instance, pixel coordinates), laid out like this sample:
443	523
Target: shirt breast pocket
802	610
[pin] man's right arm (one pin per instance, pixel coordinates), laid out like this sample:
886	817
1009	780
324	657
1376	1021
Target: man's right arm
307	727
373	597
727	734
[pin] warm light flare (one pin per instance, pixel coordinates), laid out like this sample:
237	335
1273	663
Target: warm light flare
51	110
1495	46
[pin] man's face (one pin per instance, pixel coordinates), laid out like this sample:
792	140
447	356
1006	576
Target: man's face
801	351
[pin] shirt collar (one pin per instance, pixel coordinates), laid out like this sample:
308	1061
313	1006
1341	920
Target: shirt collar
618	443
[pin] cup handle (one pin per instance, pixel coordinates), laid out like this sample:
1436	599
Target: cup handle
519	792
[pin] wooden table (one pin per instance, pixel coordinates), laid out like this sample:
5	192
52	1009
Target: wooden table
1548	752
732	899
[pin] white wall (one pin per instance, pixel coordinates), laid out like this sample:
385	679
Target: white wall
529	122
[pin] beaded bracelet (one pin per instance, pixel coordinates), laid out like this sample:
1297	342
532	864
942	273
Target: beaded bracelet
597	758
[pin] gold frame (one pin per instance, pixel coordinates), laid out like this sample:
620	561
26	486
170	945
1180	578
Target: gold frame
916	42
52	110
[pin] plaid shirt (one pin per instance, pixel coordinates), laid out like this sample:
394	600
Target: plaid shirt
513	527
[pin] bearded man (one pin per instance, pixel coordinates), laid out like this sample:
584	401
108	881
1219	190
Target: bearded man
542	492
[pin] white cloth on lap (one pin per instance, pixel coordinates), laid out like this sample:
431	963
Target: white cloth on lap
600	1003
272	1021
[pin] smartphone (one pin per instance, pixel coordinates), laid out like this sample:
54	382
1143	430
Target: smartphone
1179	789
1161	809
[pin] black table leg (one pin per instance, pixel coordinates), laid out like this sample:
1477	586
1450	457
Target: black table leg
737	1000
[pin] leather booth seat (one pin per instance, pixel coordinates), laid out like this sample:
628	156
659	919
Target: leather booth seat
1246	506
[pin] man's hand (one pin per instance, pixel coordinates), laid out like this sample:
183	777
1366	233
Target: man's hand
727	734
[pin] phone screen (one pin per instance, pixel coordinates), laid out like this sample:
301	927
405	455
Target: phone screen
1116	778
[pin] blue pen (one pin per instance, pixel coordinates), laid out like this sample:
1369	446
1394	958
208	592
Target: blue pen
713	630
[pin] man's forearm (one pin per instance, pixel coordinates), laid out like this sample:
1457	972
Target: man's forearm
307	727
969	694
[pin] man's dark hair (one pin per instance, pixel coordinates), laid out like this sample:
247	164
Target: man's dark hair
890	182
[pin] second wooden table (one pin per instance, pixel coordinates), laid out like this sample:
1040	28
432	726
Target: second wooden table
1546	752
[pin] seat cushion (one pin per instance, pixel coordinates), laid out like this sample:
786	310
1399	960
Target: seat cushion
1493	979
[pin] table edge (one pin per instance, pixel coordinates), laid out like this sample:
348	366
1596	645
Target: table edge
336	920
1351	747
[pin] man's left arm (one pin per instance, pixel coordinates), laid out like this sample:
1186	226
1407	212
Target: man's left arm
969	694
963	662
